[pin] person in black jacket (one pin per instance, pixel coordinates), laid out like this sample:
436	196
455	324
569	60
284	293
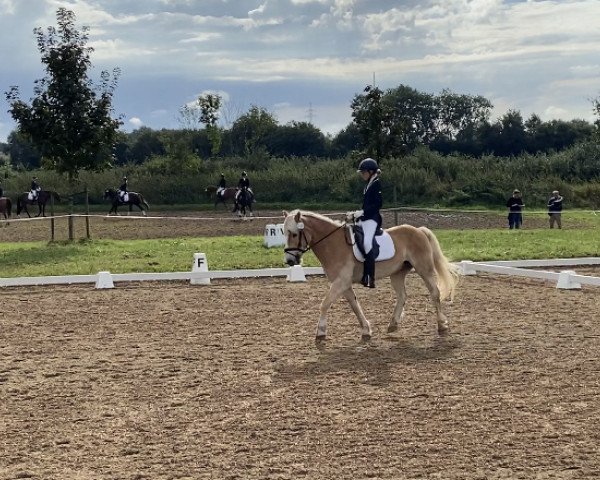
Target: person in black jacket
369	217
123	190
222	185
35	189
515	208
555	205
244	184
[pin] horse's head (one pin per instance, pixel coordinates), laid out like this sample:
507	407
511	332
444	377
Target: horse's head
108	193
297	238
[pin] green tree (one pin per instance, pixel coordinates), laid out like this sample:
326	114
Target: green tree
368	115
300	139
21	151
249	131
69	119
210	104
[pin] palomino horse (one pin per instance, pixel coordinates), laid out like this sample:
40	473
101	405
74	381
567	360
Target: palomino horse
41	201
5	207
416	248
228	194
243	202
134	199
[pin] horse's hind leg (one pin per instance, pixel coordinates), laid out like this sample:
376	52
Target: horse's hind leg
398	281
428	277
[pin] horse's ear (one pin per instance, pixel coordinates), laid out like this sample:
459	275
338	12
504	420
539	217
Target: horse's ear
285	213
297	217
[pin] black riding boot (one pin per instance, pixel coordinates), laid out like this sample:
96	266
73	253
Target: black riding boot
368	278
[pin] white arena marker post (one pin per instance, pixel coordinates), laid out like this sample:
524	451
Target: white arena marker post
296	274
566	282
200	265
274	235
104	280
467	268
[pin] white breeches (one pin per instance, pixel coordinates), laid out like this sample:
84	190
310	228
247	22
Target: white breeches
369	227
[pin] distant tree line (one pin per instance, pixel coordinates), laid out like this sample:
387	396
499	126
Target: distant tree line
385	124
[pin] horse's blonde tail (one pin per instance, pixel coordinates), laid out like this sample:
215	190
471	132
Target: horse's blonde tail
447	273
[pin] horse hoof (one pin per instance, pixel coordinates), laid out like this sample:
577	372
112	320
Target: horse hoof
320	338
443	331
392	328
365	338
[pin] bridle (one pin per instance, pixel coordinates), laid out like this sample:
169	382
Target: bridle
298	251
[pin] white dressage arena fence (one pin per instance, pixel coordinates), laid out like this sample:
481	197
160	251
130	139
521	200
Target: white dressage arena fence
566	279
201	275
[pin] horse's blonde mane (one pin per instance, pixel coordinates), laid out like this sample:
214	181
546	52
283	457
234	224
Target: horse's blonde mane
318	216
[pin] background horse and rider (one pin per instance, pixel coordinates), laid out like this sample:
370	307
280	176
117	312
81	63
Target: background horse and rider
243	202
225	196
414	248
41	200
133	199
6	207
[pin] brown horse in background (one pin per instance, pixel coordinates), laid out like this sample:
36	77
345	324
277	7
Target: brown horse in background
6	208
227	195
136	199
42	199
416	248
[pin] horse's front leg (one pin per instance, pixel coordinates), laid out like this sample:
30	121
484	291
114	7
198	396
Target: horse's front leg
335	291
365	326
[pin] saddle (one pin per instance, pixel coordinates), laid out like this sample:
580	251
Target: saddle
383	245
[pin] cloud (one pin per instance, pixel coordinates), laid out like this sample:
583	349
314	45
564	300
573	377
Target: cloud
518	53
136	122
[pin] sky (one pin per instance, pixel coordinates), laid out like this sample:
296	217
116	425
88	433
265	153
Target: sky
305	60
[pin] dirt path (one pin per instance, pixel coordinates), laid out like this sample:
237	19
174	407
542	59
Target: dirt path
170	381
220	223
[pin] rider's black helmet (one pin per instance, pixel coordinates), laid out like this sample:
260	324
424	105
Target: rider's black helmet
368	165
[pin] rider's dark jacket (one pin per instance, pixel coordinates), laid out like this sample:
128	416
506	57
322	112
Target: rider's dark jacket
372	202
222	183
244	182
34	185
123	186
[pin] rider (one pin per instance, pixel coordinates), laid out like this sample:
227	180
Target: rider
369	218
1	191
123	190
35	188
244	184
222	185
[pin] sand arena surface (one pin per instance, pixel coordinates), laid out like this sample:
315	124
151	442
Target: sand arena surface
172	381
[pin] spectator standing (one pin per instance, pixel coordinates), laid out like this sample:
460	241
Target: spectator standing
515	210
555	205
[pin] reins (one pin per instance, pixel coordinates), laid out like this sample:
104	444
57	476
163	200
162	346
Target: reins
308	245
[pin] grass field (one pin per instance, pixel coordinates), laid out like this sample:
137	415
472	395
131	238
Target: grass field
236	252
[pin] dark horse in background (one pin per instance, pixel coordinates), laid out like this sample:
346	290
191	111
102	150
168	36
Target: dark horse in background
134	199
243	202
227	195
42	199
5	208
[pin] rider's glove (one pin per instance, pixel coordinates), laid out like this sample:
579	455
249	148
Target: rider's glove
353	216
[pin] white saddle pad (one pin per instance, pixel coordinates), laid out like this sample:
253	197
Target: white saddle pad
386	247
